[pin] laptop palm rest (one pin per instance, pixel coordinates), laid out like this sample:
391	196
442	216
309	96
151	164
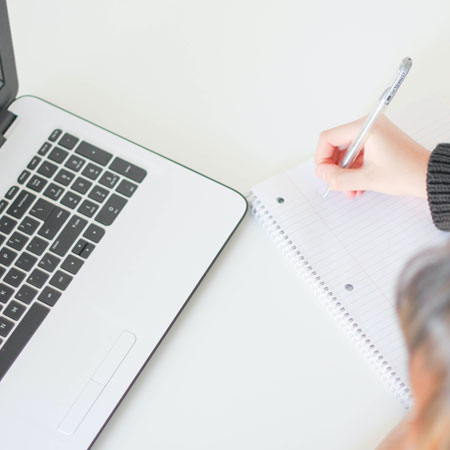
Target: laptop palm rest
94	387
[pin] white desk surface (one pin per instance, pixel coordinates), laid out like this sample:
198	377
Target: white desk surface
238	90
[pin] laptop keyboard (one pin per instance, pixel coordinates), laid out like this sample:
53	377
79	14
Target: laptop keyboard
45	241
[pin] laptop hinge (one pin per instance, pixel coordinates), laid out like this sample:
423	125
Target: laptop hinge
6	119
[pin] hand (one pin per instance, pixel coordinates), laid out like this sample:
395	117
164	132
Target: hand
390	162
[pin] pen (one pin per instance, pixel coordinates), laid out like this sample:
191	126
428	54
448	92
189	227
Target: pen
386	98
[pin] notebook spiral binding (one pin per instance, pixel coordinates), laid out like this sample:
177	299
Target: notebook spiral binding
321	290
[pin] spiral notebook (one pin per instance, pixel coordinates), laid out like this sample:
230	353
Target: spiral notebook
351	251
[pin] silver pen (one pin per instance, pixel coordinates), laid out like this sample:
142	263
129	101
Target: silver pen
386	98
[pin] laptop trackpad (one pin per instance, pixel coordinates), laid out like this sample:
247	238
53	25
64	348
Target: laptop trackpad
94	387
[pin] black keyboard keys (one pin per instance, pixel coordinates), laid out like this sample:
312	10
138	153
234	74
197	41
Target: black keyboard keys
5	326
54	222
7	256
14	277
126	188
98	194
17	241
46	146
47	169
41	209
28	225
21	335
72	264
75	163
128	170
111	209
21	204
36	183
92	171
49	296
37	278
64	177
7	224
94	153
14	310
83	248
109	179
34	162
23	177
68	235
58	155
81	185
5	293
3	205
26	261
49	262
71	200
68	141
88	208
53	191
26	294
12	191
61	280
55	135
94	233
37	246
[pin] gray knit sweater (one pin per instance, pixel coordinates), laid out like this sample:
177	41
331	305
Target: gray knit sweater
438	186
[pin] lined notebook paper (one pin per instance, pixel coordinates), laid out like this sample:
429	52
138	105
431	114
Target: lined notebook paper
351	251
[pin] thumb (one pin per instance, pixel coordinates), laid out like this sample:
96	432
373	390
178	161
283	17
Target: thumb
340	179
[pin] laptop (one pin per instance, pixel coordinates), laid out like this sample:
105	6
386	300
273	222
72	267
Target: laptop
102	243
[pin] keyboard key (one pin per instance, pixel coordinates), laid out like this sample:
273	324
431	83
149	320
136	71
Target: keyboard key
128	170
75	163
58	155
17	241
37	246
37	278
83	248
92	171
111	209
61	280
81	185
49	296
71	200
21	335
47	169
3	205
53	191
55	135
7	256
68	141
13	190
28	225
21	204
26	294
41	209
23	177
2	271
36	183
94	153
5	326
49	262
26	261
68	235
46	146
14	277
53	223
14	310
88	208
94	233
109	179
34	163
126	188
98	194
7	224
64	177
5	293
72	264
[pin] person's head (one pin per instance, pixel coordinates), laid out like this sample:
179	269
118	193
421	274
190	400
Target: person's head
423	305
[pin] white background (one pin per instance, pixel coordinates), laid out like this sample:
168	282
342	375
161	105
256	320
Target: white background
238	90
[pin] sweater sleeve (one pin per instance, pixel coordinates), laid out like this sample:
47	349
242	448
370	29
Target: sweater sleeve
438	186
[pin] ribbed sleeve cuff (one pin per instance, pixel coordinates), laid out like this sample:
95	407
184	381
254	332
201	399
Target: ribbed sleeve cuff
438	186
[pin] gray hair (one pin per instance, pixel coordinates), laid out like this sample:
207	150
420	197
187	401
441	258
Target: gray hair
423	306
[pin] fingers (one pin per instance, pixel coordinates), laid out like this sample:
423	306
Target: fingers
340	179
335	139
